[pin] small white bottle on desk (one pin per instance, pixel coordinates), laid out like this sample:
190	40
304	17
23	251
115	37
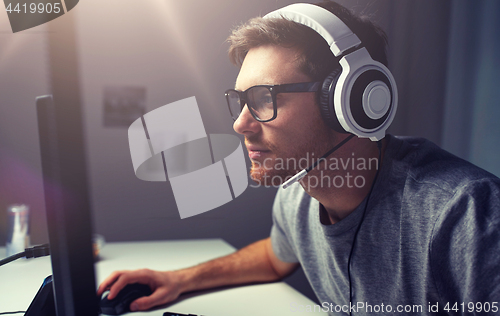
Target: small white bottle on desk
18	234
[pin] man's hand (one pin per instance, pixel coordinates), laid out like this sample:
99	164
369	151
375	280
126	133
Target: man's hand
254	263
165	285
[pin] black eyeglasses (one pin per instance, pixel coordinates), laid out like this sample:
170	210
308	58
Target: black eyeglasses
261	99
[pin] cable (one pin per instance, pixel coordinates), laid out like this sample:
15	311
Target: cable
379	146
303	173
11	258
37	251
33	252
330	152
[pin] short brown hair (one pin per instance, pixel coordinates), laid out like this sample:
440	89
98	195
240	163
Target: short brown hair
316	59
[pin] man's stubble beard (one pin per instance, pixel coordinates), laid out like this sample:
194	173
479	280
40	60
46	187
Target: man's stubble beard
281	170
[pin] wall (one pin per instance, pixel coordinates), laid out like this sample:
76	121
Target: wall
175	50
470	127
24	75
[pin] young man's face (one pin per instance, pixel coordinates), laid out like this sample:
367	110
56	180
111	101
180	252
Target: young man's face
298	132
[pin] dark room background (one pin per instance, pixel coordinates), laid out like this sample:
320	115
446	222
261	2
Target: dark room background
444	56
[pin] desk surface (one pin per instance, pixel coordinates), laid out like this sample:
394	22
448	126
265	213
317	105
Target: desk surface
21	279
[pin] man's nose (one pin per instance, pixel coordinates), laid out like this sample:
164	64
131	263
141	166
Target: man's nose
246	123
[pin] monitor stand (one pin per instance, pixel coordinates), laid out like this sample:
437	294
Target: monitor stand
43	303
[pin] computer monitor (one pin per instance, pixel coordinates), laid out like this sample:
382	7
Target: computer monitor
67	206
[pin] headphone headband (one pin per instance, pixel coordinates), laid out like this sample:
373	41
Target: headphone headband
361	97
338	36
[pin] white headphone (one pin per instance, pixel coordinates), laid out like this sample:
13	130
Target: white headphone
360	98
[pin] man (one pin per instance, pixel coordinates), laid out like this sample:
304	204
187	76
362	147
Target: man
418	235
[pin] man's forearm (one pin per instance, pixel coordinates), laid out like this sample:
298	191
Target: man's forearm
248	265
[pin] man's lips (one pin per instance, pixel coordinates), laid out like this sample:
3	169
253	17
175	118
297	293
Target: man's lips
255	152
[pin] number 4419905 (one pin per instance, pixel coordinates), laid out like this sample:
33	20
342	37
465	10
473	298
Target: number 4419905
35	8
471	307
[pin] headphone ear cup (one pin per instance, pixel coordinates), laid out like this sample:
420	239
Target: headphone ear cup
325	102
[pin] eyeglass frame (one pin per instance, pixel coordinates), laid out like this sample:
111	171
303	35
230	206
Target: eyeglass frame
274	89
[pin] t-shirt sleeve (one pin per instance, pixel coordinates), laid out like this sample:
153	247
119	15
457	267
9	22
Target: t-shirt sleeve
465	251
280	231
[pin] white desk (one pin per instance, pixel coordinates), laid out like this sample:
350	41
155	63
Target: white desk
21	279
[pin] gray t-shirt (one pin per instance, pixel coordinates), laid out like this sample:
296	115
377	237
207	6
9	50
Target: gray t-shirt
430	239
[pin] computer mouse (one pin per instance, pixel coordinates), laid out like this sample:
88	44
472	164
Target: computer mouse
121	303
